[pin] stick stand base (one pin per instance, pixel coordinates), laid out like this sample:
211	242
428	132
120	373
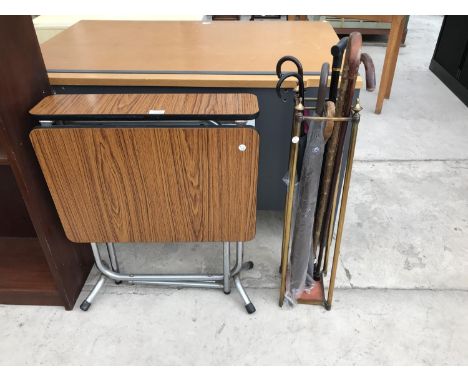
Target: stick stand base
316	296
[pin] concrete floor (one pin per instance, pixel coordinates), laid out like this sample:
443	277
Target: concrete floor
402	294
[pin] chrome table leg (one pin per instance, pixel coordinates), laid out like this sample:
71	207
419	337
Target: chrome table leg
112	257
88	301
237	281
240	266
113	260
213	281
226	268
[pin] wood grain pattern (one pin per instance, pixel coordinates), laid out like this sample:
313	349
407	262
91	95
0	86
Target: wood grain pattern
242	47
196	81
188	46
250	48
218	106
151	185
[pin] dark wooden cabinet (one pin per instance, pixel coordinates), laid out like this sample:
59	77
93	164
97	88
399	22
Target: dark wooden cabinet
38	264
25	277
450	61
15	220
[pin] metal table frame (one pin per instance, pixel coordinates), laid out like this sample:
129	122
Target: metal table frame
211	281
112	270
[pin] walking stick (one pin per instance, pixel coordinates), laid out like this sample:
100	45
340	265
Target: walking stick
333	158
366	60
337	53
322	89
353	59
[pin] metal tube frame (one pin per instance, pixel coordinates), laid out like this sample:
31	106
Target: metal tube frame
211	281
112	257
343	203
335	119
288	208
216	281
325	301
226	265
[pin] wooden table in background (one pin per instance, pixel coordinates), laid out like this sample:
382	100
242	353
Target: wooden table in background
391	54
397	29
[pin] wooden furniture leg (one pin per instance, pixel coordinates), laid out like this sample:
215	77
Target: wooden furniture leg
400	30
395	38
391	55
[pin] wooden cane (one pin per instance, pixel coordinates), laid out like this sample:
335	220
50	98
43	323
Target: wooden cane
335	150
337	52
366	60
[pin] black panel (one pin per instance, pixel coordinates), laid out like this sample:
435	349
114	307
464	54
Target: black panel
450	60
464	71
452	44
451	82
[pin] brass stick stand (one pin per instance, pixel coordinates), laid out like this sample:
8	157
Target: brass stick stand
317	294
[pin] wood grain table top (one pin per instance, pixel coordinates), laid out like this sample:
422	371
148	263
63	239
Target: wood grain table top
151	185
221	106
201	54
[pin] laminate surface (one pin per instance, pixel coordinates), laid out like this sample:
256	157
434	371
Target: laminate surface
160	46
150	106
151	185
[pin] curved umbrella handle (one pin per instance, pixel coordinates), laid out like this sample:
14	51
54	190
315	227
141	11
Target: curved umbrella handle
322	89
292	59
300	81
370	71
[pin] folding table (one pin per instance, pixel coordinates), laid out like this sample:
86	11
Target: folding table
96	56
152	168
